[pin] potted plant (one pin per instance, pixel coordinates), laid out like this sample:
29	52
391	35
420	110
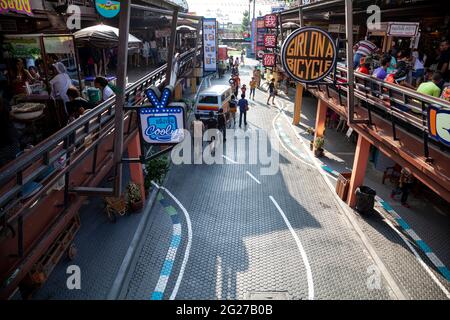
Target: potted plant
134	197
319	142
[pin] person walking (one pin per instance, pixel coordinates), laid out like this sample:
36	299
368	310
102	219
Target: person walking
146	52
272	92
244	89
242	57
222	124
243	108
197	127
211	125
233	109
253	85
154	51
257	76
404	186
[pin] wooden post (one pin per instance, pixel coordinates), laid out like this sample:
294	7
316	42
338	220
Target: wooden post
320	118
298	104
136	172
359	168
194	85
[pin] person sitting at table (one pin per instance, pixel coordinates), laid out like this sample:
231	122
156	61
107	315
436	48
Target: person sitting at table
77	105
19	77
431	88
380	72
363	66
102	84
61	82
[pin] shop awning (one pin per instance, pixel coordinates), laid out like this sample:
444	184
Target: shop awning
102	36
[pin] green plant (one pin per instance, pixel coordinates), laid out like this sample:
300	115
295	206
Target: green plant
156	170
134	193
319	142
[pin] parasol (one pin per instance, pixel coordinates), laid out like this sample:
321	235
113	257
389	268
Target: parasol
103	36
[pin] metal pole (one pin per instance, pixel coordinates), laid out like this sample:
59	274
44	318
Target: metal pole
254	9
124	25
300	17
350	71
173	41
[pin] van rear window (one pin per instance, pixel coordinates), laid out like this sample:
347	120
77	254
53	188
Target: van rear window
208	99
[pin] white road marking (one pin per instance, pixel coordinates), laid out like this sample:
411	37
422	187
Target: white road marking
188	245
301	249
253	177
418	258
229	159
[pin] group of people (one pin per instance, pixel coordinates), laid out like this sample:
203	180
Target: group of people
407	69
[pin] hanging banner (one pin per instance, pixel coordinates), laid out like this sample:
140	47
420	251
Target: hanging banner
308	54
107	8
269	60
270	21
161	122
18	6
270	40
210	44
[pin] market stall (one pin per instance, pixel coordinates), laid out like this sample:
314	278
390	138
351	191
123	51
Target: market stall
40	67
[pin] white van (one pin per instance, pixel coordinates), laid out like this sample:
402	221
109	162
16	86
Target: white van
212	99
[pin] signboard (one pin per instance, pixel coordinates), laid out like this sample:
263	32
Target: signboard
160	122
260	54
59	44
210	44
439	124
340	28
107	8
399	29
269	60
270	21
277	9
308	54
270	40
260	23
19	6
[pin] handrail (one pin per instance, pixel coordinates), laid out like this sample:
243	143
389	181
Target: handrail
76	131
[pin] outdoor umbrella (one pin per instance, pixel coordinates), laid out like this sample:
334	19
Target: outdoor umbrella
102	36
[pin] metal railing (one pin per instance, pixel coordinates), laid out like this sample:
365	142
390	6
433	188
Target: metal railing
400	105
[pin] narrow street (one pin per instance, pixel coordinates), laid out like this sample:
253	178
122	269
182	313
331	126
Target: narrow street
244	234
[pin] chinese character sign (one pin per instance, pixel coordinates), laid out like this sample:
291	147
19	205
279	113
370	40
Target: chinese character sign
270	21
270	40
210	44
269	60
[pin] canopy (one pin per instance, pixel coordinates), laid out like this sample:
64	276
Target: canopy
102	36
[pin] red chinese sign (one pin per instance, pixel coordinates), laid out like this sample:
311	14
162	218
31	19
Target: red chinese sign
270	40
270	21
269	60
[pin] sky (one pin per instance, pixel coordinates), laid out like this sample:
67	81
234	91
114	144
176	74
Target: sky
228	10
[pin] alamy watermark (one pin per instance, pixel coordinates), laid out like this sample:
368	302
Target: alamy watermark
73	281
254	147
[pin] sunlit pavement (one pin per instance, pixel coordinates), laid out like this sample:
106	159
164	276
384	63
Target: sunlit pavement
284	235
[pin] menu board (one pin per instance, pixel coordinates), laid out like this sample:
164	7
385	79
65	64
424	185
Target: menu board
210	44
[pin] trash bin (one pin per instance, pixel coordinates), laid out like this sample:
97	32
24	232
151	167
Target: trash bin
342	185
365	199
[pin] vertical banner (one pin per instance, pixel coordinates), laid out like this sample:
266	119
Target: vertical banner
210	44
253	39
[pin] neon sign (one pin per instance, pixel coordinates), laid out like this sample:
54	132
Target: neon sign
19	6
161	122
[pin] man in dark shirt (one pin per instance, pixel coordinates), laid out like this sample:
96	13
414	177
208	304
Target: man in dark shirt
222	124
443	60
272	92
211	126
243	108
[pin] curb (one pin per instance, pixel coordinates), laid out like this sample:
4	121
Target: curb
122	276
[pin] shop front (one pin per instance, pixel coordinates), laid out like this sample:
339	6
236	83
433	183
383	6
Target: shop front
40	68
